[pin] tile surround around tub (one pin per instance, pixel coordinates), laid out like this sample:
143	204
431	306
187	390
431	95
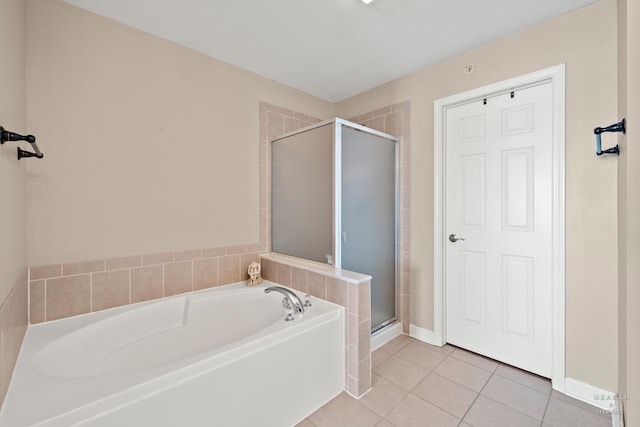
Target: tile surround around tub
13	326
103	284
350	290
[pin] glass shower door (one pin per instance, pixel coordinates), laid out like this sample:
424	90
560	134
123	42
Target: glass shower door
302	194
368	203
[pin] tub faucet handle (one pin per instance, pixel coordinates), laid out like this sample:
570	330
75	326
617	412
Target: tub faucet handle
289	317
307	300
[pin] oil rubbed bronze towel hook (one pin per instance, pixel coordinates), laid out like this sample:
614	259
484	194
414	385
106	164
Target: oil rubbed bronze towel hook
616	127
6	135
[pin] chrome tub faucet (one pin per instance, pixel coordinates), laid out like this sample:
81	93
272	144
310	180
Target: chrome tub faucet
291	300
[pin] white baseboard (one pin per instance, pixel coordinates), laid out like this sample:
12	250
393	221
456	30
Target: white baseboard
384	335
590	394
422	334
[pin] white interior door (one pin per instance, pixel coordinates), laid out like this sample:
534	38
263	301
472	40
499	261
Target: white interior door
498	198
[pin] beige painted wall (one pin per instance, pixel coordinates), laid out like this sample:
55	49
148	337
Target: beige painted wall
586	41
629	207
149	146
12	116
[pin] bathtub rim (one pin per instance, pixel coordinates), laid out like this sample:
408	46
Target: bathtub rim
175	375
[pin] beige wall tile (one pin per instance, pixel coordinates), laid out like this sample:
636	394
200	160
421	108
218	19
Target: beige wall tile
68	296
268	270
124	262
83	267
376	123
353	298
213	252
364	338
275	125
291	124
364	376
393	123
154	259
283	274
353	331
37	302
364	300
317	285
352	363
14	321
46	271
109	289
178	278
229	269
187	255
257	247
404	106
382	111
236	250
299	280
146	283
205	273
338	292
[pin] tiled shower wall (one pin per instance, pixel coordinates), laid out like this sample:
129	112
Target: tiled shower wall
13	325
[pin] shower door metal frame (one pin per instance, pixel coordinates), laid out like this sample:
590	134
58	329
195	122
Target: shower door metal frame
338	123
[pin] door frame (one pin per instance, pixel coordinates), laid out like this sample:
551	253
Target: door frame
555	75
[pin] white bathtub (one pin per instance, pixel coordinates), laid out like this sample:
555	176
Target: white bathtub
221	357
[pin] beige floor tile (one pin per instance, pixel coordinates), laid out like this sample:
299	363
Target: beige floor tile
344	411
446	349
421	356
397	344
475	359
525	378
447	395
516	396
378	356
463	373
488	413
415	412
305	423
562	414
401	372
383	397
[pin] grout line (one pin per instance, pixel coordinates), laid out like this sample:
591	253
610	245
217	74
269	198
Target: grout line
91	292
544	414
163	280
45	301
28	296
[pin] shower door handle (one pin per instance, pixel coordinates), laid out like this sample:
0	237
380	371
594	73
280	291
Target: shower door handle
453	238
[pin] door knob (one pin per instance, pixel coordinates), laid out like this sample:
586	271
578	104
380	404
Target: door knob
453	238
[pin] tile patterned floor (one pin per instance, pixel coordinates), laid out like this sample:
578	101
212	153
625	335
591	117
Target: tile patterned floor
417	384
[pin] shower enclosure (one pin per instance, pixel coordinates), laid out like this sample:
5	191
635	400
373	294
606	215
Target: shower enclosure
334	199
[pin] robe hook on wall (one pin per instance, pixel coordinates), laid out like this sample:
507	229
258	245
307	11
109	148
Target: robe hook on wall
617	127
6	135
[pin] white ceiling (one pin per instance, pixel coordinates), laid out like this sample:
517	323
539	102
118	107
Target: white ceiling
330	48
